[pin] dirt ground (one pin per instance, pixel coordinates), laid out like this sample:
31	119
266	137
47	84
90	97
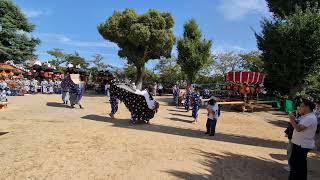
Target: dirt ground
45	140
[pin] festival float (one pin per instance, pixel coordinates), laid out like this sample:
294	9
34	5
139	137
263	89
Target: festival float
243	89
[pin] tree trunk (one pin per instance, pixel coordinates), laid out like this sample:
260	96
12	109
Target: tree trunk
140	75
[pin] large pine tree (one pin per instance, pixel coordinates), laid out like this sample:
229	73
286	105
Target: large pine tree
15	42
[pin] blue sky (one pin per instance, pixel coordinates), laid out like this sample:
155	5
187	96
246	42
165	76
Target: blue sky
71	25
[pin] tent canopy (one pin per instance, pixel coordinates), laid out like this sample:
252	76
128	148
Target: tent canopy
245	77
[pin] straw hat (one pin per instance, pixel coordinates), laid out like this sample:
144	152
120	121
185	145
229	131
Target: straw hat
75	78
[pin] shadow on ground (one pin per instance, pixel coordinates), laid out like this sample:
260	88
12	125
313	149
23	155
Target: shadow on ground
3	133
233	166
279	123
183	115
55	104
231	138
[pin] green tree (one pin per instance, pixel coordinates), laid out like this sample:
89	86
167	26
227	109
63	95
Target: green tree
227	61
169	71
98	61
59	57
252	61
290	49
140	37
193	52
283	8
77	60
15	42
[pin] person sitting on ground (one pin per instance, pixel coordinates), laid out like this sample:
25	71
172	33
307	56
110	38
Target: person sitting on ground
213	116
302	139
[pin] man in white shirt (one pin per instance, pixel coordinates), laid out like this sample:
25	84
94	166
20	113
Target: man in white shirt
302	140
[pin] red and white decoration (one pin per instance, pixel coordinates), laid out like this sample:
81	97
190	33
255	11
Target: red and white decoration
245	77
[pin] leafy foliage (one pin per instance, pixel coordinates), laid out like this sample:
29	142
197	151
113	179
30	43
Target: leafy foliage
193	52
77	60
59	57
15	43
97	61
252	61
290	49
169	71
140	37
227	61
283	8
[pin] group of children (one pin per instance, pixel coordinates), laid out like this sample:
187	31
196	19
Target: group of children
193	99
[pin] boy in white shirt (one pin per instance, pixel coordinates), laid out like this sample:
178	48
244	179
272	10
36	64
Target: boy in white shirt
213	116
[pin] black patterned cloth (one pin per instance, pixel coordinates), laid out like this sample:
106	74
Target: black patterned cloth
135	103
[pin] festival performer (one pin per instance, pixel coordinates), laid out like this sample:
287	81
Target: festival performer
188	99
3	95
26	85
176	94
196	103
82	86
65	92
160	89
57	86
33	86
74	93
44	85
3	84
114	106
141	104
50	86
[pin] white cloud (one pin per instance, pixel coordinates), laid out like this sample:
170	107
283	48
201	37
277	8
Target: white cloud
65	40
35	13
227	47
239	9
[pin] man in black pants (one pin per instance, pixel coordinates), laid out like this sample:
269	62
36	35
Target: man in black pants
213	115
302	140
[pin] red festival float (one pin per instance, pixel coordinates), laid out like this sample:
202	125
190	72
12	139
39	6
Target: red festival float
245	87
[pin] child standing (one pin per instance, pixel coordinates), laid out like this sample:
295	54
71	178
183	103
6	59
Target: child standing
196	102
213	115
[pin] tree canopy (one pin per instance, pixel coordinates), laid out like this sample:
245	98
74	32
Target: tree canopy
290	49
76	60
193	52
140	37
15	42
282	8
169	71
